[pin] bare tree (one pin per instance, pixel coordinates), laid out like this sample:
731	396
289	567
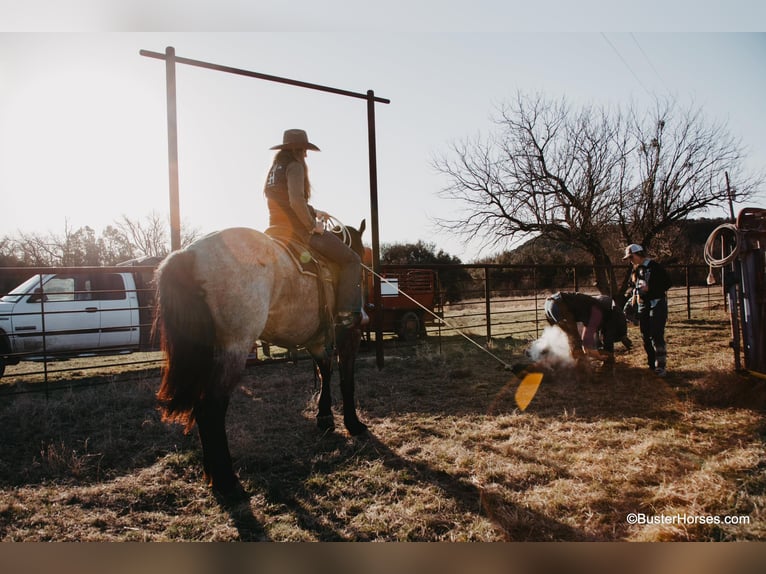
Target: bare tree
679	164
150	236
37	250
584	176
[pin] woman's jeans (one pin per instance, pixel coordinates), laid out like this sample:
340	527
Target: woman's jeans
349	296
652	318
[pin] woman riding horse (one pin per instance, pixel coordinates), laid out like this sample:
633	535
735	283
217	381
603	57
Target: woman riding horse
288	190
228	289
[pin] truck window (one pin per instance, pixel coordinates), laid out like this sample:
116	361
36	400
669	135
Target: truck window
63	288
109	287
60	288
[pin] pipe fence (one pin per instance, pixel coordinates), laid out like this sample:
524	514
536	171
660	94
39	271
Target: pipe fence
486	302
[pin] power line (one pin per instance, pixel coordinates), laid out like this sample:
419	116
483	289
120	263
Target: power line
640	83
646	57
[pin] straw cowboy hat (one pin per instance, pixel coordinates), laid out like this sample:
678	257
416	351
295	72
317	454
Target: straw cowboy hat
295	139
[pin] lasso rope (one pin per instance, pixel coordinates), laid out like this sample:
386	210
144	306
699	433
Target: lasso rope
441	319
527	387
332	223
710	259
710	244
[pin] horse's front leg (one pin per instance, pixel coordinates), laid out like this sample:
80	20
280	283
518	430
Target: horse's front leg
347	340
323	365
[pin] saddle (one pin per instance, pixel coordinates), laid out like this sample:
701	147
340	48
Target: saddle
296	249
307	264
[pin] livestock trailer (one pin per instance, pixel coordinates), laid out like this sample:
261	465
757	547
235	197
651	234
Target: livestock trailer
408	302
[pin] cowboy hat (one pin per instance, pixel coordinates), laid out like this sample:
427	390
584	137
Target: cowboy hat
295	139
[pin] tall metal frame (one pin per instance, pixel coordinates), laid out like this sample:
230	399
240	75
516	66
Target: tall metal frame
175	218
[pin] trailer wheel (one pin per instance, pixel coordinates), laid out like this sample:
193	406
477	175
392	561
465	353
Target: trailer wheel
409	327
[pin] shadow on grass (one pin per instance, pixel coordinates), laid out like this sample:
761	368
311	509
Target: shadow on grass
293	489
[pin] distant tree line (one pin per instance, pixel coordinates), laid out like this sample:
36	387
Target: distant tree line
124	240
556	261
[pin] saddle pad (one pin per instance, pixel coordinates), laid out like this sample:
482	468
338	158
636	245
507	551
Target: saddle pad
300	255
299	252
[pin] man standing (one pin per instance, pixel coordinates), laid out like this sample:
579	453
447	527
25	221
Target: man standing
649	285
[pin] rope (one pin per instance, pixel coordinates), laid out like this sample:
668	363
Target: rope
443	321
710	259
710	244
332	223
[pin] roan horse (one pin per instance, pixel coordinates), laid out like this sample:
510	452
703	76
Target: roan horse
218	296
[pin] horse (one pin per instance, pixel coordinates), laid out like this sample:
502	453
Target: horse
219	295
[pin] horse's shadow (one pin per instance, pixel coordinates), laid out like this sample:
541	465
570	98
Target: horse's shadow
271	482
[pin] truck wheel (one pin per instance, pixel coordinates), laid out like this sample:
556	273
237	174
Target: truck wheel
5	347
409	327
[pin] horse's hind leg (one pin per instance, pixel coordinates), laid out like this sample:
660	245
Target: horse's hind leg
210	414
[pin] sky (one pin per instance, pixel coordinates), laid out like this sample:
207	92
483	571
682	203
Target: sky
83	132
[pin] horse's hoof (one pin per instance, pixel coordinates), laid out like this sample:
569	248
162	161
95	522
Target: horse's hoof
356	428
231	494
326	423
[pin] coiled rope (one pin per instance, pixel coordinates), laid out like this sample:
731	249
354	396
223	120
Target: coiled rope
332	223
710	259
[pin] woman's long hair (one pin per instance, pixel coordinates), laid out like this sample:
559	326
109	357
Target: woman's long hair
287	156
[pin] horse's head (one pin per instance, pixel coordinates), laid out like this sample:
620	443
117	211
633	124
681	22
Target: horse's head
351	236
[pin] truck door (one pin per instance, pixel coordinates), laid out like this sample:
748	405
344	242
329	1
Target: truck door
119	311
71	318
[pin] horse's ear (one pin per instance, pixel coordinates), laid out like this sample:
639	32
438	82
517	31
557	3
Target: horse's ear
362	226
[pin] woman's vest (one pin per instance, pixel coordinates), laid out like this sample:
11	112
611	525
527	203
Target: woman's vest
281	214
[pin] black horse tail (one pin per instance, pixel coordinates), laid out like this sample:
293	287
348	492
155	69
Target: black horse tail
187	337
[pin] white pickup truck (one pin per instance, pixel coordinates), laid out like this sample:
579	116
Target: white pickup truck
75	312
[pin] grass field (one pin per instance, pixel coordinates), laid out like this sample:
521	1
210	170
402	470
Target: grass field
449	456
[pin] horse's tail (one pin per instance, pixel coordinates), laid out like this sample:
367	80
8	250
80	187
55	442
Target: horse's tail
187	337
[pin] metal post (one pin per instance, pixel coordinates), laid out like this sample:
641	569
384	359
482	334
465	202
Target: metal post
534	288
688	295
375	228
175	211
45	334
487	311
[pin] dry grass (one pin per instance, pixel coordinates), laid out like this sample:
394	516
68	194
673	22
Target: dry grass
449	457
